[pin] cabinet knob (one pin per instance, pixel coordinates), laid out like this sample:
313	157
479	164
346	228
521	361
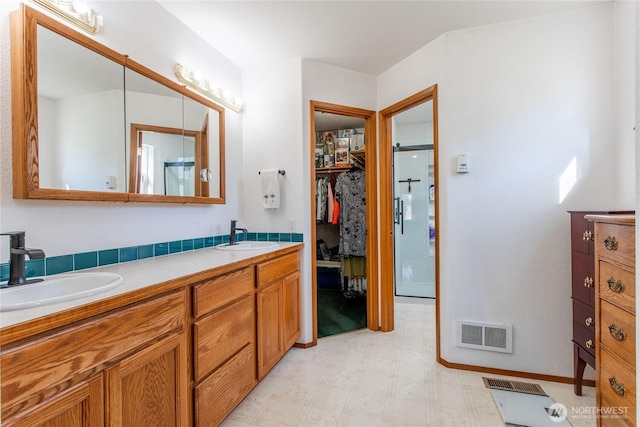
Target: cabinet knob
611	243
588	321
615	285
617	333
587	236
589	344
588	282
617	387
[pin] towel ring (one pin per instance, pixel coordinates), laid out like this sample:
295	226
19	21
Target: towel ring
280	171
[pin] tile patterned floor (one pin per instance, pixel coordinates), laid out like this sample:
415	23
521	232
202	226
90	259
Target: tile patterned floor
370	379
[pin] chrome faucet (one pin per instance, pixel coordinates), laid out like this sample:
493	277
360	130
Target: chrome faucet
234	230
17	253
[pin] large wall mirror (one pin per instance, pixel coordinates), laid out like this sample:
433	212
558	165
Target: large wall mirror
91	124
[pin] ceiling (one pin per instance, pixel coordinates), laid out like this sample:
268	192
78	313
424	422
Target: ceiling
365	36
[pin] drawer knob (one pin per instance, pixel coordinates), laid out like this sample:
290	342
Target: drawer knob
588	282
589	344
587	235
588	321
615	285
617	387
617	333
611	243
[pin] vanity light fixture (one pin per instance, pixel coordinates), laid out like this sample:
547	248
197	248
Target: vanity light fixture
76	12
204	87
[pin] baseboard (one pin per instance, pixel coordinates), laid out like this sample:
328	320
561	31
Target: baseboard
305	345
519	374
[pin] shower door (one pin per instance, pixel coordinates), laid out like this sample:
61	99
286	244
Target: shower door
414	216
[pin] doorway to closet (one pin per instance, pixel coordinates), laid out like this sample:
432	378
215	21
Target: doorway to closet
344	256
388	222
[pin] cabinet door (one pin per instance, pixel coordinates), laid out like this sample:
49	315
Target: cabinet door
150	387
80	406
291	309
270	342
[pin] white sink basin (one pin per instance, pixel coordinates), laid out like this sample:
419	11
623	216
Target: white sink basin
247	246
58	288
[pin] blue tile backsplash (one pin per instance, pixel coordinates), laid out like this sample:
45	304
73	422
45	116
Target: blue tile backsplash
81	261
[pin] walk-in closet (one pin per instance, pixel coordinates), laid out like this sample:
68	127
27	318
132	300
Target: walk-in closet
341	227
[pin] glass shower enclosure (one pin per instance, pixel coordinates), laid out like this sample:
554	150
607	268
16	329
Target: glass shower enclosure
414	217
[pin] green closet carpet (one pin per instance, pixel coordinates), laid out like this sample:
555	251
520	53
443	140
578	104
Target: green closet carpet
337	314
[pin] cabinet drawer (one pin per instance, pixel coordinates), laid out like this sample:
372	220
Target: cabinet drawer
624	248
220	335
583	281
584	315
618	332
271	270
584	337
219	394
617	286
221	290
617	385
581	233
34	367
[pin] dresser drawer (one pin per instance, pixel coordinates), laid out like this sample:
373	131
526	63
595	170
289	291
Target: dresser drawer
617	285
221	290
584	337
618	331
617	386
617	242
583	281
584	315
221	334
269	271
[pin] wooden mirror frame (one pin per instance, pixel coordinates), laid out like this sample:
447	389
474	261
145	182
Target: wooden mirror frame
24	98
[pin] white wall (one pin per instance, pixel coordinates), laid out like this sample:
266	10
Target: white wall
523	98
151	36
277	135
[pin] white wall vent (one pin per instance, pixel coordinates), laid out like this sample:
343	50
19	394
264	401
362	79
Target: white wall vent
484	336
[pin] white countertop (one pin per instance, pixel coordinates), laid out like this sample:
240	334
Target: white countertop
143	273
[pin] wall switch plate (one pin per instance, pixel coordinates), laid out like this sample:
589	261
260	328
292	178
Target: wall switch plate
463	163
292	225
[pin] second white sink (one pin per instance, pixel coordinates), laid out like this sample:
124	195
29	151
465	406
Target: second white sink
247	246
58	288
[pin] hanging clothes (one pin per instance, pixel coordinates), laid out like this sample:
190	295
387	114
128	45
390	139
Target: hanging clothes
321	199
350	191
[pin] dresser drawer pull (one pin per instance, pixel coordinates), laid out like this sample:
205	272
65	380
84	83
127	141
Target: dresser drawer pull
617	387
587	235
617	333
611	243
588	321
589	344
588	282
615	285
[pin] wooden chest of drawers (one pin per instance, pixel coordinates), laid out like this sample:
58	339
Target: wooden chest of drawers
615	319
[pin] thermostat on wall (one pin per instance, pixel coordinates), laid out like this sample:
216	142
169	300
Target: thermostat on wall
463	163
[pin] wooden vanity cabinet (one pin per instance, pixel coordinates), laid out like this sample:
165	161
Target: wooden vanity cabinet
115	369
278	309
224	345
185	357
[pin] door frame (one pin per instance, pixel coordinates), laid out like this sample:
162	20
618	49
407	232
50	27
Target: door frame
371	194
386	207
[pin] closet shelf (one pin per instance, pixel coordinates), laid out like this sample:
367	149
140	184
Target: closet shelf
320	171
